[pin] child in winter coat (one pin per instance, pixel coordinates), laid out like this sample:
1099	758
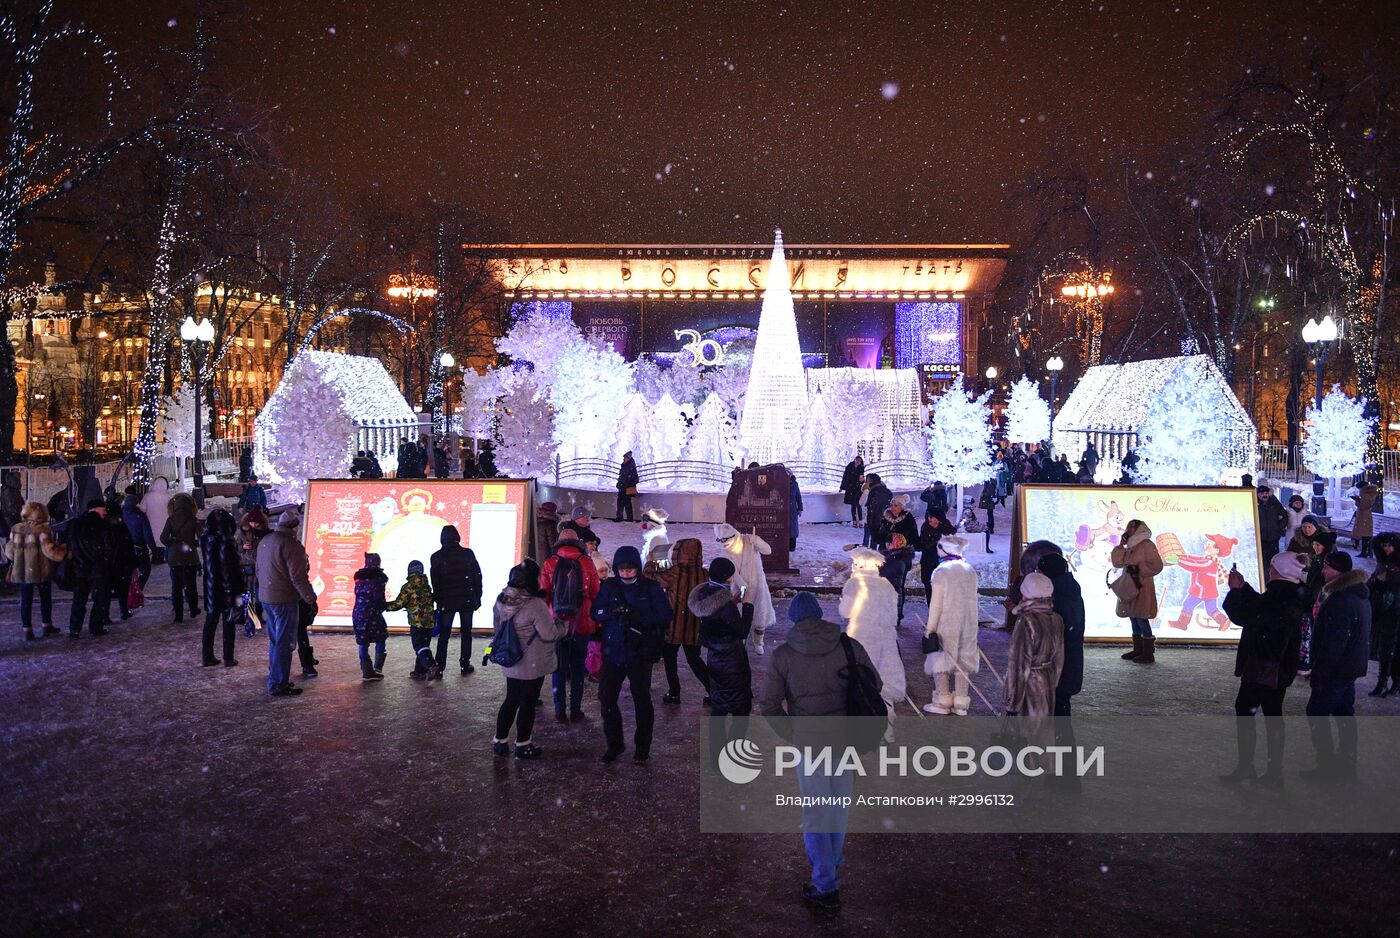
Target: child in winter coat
871	607
368	616
416	598
1037	650
952	616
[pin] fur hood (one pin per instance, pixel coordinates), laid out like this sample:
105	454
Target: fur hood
1341	584
688	552
707	599
371	573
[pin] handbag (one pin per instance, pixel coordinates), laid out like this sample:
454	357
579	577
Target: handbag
251	620
593	661
631	490
1126	588
135	595
931	644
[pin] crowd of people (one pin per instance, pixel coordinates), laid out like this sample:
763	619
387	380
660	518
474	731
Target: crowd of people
577	618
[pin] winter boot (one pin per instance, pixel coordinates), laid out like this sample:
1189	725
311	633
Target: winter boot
368	673
1149	645
1366	547
49	629
1394	688
1380	690
1137	650
29	634
379	663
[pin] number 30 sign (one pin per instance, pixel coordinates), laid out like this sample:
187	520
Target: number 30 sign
702	351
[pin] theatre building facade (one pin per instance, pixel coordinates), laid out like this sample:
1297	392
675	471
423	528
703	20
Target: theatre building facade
866	306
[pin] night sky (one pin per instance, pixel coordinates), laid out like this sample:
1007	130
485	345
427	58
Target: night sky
644	122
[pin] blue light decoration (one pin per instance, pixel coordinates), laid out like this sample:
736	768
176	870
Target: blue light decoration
927	334
557	310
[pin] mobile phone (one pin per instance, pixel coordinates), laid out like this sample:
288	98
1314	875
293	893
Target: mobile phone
742	590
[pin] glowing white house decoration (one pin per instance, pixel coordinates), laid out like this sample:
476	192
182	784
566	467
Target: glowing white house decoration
776	404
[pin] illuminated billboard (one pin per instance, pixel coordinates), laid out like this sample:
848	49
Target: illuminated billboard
402	520
1200	533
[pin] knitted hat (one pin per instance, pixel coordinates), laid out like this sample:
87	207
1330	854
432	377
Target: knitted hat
1328	539
1289	566
804	606
721	569
580	513
1338	560
415	566
372	561
289	520
1037	586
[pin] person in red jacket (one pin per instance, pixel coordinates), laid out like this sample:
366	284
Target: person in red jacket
569	581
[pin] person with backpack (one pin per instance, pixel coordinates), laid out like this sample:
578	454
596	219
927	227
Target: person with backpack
456	581
416	598
523	644
810	677
570	584
368	616
223	584
633	612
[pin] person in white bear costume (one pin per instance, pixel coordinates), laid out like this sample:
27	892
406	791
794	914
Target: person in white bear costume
870	605
952	616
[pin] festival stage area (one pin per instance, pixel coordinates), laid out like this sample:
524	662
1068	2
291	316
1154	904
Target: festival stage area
144	795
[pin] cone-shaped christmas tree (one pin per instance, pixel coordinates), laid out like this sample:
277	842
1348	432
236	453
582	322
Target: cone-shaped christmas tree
776	403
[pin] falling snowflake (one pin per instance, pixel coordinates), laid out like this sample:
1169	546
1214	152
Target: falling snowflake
889	90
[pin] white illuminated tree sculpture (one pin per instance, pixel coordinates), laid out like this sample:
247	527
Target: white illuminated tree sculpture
820	443
1184	438
960	439
1027	414
775	405
1335	447
524	432
668	429
178	416
713	438
305	432
634	431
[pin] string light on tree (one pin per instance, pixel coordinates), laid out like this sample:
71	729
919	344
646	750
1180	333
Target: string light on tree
775	404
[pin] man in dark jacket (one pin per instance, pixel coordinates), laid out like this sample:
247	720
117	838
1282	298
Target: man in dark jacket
1069	605
456	581
626	487
1273	522
634	613
1341	641
143	539
1266	661
87	545
808	679
121	561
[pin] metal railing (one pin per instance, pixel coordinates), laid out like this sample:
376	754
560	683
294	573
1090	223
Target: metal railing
1275	463
602	473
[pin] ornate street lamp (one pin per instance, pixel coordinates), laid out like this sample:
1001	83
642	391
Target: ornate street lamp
198	336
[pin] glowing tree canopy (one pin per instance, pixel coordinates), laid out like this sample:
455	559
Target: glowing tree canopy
960	440
591	384
634	431
1183	439
524	446
713	438
178	423
668	429
1027	414
326	407
479	393
775	405
305	432
1336	443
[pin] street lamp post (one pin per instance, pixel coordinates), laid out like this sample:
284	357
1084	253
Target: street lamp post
1320	335
1055	365
198	336
447	362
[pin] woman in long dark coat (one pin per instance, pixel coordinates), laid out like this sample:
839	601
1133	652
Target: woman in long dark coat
851	480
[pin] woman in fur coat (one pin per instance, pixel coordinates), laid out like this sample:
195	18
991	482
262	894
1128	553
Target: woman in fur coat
871	608
1037	650
746	552
952	616
686	571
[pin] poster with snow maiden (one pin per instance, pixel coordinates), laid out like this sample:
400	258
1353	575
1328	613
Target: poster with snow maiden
1200	533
